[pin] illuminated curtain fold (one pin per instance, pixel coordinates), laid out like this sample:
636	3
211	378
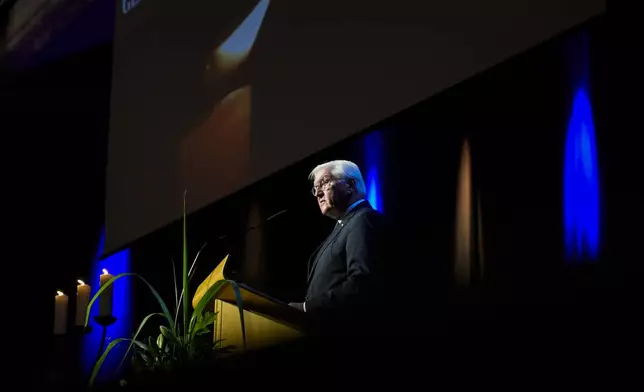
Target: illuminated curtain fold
468	252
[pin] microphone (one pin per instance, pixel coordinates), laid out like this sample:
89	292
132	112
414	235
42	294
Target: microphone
266	220
243	235
255	227
193	267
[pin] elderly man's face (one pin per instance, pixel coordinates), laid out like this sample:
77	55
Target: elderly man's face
332	194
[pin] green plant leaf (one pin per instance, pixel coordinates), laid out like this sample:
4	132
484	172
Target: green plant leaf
186	291
208	319
210	294
194	322
176	291
146	359
197	322
164	308
193	267
190	274
201	306
167	333
152	349
99	363
136	335
207	297
142	345
160	341
203	322
240	306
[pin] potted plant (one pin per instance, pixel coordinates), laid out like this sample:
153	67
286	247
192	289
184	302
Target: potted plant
183	341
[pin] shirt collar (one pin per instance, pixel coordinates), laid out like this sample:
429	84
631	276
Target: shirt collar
351	207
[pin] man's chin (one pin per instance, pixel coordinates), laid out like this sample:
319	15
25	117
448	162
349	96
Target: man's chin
331	213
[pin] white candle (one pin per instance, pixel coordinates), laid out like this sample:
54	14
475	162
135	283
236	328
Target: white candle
60	314
105	299
82	300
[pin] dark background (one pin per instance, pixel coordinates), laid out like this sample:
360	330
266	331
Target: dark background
516	116
55	128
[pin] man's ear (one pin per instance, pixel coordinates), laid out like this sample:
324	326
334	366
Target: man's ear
352	185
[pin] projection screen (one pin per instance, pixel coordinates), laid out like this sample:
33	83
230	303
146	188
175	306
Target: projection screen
210	96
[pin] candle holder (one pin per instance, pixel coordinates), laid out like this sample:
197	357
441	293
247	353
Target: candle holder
65	364
80	330
103	321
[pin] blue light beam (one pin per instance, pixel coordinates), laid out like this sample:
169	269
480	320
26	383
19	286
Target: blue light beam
581	184
121	309
373	149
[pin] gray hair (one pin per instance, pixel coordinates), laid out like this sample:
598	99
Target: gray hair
342	170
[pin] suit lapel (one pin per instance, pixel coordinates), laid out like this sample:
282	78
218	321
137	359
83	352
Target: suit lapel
315	257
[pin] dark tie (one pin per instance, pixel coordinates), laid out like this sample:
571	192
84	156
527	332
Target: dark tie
324	244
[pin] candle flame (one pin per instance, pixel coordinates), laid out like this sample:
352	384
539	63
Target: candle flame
105	271
81	282
59	293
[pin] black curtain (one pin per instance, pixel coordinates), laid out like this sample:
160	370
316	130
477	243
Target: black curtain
54	136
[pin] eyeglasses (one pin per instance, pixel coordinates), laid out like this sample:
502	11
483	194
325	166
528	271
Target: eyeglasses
324	185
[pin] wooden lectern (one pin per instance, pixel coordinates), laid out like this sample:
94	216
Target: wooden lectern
267	321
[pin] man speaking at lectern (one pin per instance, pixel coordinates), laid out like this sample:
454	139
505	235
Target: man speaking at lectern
344	272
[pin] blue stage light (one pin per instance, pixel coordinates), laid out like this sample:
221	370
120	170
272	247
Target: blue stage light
581	184
373	145
121	309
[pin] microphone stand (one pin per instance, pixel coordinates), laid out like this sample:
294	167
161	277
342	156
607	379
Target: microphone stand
251	228
104	322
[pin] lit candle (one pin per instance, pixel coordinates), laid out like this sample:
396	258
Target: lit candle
60	314
105	299
82	300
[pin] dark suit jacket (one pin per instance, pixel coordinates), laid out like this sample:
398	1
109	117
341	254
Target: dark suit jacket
345	272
